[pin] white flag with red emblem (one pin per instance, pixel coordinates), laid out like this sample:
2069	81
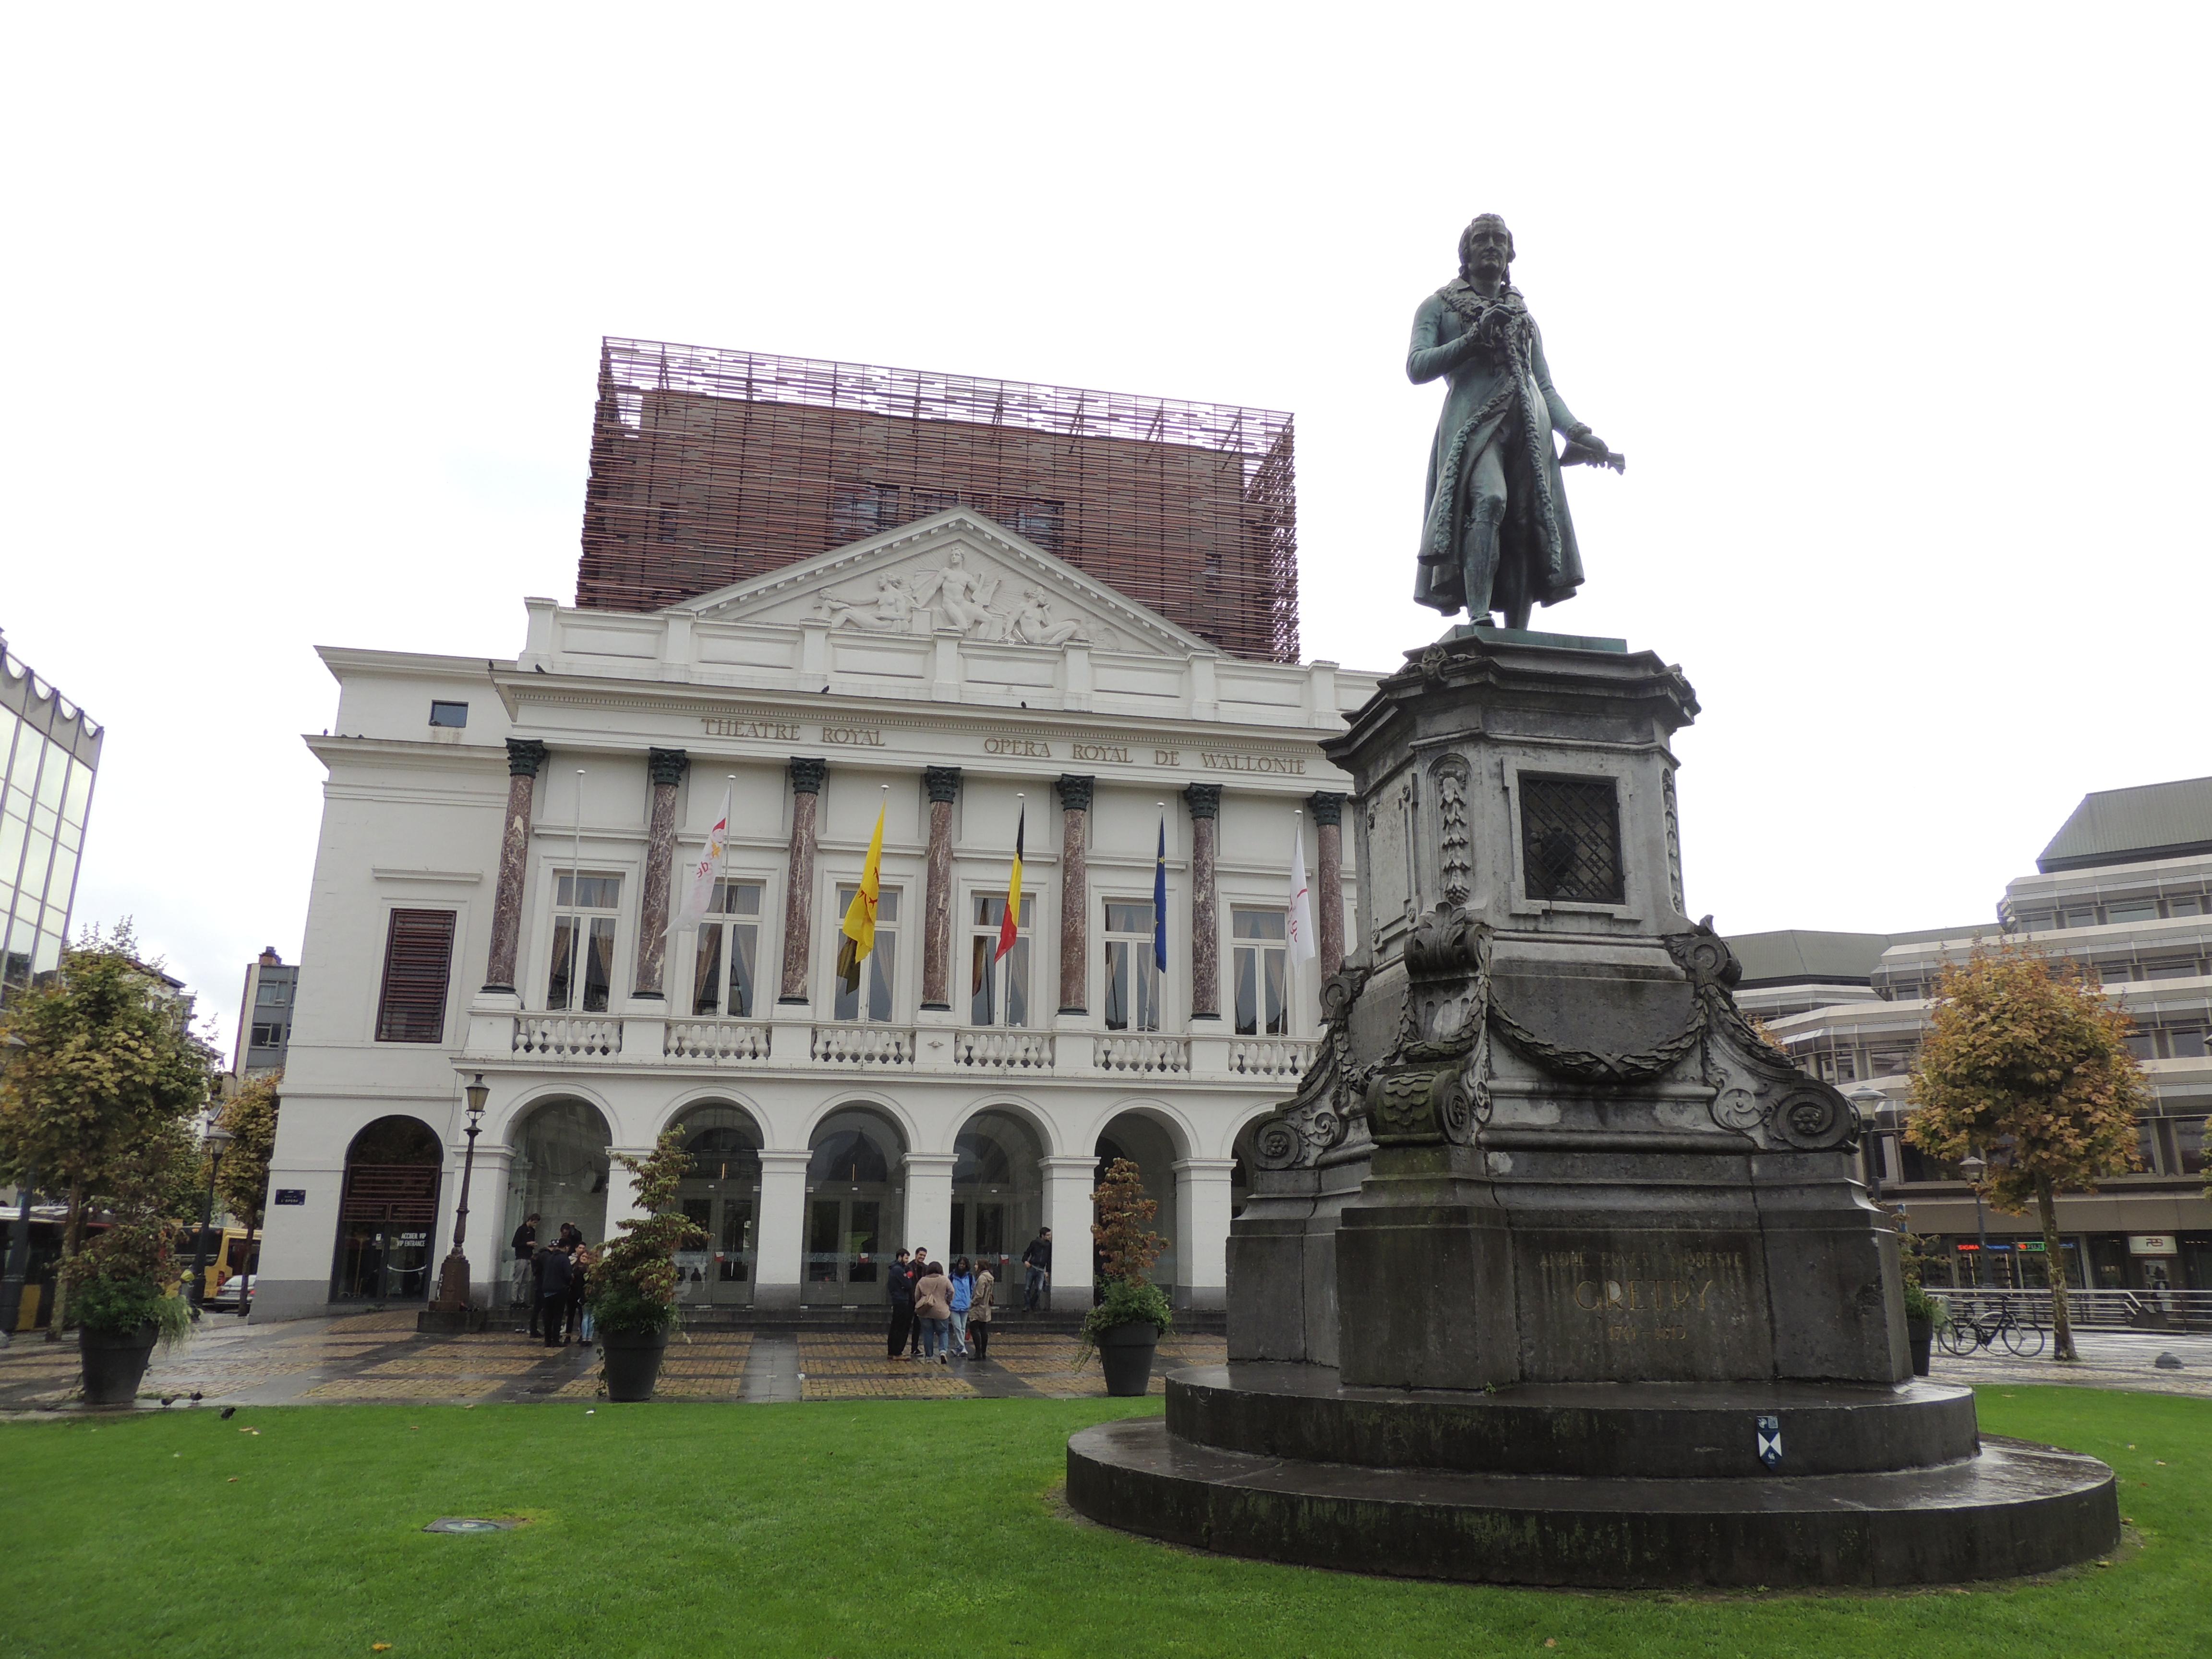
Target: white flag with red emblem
704	872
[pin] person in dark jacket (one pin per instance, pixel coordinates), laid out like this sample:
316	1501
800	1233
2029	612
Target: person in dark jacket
916	1271
1037	1259
525	1279
901	1286
578	1260
556	1273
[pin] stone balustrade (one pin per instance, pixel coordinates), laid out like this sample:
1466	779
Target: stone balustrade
655	1042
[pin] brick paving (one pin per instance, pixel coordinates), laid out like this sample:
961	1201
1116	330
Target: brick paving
379	1357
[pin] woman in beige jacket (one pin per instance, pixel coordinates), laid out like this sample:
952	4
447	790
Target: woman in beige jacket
932	1311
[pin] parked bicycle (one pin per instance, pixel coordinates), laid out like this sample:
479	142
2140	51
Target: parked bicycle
1968	1331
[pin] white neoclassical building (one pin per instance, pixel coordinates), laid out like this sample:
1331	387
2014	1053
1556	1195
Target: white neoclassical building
493	889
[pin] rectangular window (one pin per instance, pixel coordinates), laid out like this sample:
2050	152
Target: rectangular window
2034	921
1132	973
449	713
1891	1062
2186	1042
2171	967
1570	840
2141	1046
997	986
2190	904
2114	973
1847	1065
2189	1141
1259	961
2132	910
272	994
2146	1147
418	958
267	1036
582	972
879	971
727	963
2078	915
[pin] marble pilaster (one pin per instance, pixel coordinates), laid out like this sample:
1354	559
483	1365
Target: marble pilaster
666	768
1204	800
1327	808
806	776
525	756
1074	891
943	783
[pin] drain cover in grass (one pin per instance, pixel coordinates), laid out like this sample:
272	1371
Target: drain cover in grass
469	1523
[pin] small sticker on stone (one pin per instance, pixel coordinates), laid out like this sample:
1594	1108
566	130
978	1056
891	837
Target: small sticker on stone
471	1523
1770	1441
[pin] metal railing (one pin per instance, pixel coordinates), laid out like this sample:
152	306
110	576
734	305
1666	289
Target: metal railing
2100	1310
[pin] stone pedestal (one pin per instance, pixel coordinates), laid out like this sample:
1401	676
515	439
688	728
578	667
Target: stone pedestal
1549	1226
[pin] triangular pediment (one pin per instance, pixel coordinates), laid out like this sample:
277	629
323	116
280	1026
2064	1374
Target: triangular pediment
954	572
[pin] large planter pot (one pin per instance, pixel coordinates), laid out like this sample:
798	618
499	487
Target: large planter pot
1125	1354
114	1362
633	1362
1920	1333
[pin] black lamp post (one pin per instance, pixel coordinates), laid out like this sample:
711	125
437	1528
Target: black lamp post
216	1139
1971	1166
451	1311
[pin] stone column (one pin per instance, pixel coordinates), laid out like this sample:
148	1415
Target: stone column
806	777
779	1247
1205	802
1202	1217
1328	807
928	1218
666	765
525	755
943	783
1074	893
1067	1185
622	1194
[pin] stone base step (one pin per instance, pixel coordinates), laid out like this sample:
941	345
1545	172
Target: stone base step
2011	1510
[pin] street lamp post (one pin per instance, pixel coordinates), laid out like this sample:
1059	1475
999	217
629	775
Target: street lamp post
19	1260
1971	1166
1869	1102
451	1311
216	1138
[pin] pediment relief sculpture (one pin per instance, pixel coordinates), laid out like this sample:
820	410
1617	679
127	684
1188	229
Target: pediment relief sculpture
956	597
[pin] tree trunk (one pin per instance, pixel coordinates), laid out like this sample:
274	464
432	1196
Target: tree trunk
72	1241
2054	1268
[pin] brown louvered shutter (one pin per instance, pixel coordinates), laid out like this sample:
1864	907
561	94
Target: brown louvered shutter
418	956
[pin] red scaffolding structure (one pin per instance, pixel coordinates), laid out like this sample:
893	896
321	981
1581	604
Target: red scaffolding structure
712	466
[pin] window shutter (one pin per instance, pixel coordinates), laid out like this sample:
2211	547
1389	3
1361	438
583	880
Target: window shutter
418	955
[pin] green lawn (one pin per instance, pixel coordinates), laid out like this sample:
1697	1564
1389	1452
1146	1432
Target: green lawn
885	1529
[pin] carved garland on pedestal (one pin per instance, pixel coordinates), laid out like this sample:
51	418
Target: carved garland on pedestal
1432	1088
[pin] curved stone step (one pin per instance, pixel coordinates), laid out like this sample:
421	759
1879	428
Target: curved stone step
1701	1430
2011	1510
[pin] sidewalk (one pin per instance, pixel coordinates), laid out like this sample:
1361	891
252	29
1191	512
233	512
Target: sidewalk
378	1356
2109	1359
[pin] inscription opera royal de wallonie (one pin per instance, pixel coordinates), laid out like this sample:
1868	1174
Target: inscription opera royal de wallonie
771	729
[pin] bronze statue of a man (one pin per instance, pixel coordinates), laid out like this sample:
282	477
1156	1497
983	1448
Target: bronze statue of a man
1497	536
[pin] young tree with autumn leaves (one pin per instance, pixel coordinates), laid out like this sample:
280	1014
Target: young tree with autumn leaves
2027	1064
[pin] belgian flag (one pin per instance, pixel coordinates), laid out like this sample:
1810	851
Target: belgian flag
1009	925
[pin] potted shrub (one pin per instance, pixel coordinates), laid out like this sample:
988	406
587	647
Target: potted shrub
1132	1314
123	1294
632	1288
1924	1313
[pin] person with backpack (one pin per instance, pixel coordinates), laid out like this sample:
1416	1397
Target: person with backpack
964	1298
979	1314
932	1311
556	1272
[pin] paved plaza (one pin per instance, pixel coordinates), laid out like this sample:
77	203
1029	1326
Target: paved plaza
378	1356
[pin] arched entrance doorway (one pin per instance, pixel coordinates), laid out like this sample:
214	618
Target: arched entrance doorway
1150	1146
853	1206
997	1191
721	1196
387	1212
560	1172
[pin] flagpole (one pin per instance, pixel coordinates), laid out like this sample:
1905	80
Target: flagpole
575	904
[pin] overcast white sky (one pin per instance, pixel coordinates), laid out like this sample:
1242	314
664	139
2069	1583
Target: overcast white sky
1899	314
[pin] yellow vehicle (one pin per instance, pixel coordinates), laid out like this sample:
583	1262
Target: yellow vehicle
227	1259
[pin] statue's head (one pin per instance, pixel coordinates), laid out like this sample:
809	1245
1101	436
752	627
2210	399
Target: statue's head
955	561
1486	241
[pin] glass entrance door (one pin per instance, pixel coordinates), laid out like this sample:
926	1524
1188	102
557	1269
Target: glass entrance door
844	1250
719	1272
979	1232
383	1261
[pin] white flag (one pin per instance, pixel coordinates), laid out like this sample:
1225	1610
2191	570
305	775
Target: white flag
1301	905
705	871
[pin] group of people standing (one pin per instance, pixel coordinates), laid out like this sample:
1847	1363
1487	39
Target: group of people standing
939	1313
550	1278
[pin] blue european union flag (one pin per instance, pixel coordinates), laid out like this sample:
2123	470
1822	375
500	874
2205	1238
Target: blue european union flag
1160	901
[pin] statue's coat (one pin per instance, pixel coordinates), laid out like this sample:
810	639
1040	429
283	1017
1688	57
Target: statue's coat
1537	552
